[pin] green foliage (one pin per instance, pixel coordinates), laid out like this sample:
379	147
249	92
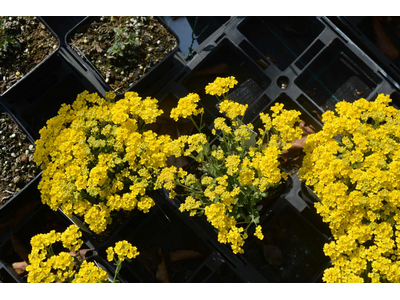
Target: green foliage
122	39
7	41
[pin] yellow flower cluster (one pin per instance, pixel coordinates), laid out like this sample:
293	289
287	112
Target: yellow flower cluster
236	175
45	266
284	121
96	158
70	238
191	205
259	233
187	107
42	270
90	273
123	249
232	109
221	86
352	165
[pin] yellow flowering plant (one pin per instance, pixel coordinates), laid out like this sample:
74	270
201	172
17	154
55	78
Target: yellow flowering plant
352	165
123	250
234	176
98	158
45	266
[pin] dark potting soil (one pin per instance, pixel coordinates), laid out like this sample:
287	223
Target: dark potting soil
17	167
138	43
24	43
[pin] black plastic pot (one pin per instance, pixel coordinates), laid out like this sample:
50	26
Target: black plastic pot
39	97
159	75
29	137
292	248
106	266
8	274
361	32
40	65
166	234
103	239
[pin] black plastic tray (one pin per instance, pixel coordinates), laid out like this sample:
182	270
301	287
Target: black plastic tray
156	75
8	274
168	230
45	61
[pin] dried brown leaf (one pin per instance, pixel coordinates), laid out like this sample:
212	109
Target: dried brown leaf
20	267
97	47
162	272
185	255
217	69
273	255
82	253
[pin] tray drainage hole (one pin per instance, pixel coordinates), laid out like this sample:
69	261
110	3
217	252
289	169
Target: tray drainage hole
283	82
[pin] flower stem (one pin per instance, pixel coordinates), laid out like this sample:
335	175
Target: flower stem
119	263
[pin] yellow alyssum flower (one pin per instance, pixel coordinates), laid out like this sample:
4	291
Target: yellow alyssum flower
70	238
232	109
259	233
187	107
123	249
96	156
221	85
90	273
351	166
235	173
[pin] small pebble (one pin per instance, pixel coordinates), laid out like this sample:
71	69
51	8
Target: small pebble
12	136
158	42
17	73
30	147
13	155
55	47
107	79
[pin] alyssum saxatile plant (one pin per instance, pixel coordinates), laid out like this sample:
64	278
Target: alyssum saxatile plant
97	157
234	174
46	266
353	166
